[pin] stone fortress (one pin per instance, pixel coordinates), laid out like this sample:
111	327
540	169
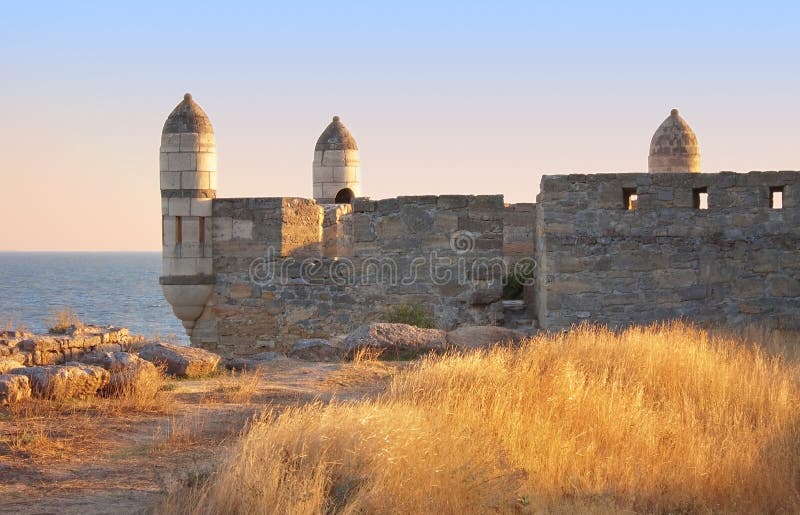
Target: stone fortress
246	275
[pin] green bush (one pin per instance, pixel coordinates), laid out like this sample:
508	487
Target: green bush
411	314
514	285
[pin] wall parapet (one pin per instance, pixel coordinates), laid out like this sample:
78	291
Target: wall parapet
734	262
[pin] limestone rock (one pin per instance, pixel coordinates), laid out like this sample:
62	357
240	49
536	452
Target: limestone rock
253	362
179	360
10	363
315	349
13	389
126	370
398	341
482	337
72	380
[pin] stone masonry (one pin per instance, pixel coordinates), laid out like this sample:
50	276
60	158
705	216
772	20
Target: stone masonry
736	262
250	275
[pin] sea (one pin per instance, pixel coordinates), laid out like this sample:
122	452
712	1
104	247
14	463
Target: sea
103	288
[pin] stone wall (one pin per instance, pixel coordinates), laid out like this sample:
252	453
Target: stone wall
289	268
55	349
736	262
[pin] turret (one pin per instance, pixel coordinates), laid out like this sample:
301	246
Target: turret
674	147
337	178
188	163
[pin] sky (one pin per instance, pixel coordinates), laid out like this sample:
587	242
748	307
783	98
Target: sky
445	97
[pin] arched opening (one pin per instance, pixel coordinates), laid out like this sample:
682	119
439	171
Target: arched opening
344	196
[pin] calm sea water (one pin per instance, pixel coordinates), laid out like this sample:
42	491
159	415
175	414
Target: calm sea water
105	288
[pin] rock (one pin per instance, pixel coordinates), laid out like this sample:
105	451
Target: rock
11	362
254	361
181	361
72	380
55	349
315	349
127	370
13	389
482	337
398	341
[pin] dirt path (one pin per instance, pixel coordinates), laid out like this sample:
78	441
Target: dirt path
81	461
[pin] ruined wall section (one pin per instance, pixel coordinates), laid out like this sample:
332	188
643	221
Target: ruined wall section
736	262
443	252
289	268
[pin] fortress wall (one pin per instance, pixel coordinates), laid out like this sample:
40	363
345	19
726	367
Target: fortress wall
519	227
736	262
277	280
443	252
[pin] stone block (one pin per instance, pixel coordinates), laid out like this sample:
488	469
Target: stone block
182	162
181	361
333	158
201	207
189	142
222	228
190	230
179	206
242	229
207	162
330	189
207	142
364	205
170	142
170	180
322	174
351	157
451	201
781	285
191	180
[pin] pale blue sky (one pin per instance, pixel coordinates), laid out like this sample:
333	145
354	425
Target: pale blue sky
448	98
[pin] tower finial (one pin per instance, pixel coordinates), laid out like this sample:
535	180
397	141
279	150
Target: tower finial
335	118
674	112
187	96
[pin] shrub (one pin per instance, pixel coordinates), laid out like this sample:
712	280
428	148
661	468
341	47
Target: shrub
515	281
63	320
411	314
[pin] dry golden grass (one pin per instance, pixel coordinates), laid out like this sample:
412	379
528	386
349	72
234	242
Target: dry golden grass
61	320
665	419
181	434
234	387
140	390
11	323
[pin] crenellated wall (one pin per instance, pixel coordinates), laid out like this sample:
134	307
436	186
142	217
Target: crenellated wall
736	262
289	268
614	249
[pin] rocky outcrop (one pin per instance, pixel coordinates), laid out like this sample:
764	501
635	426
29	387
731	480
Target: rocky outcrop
253	362
72	380
315	349
180	361
397	341
13	389
53	349
482	337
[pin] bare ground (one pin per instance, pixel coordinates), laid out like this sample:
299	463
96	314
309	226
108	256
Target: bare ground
78	459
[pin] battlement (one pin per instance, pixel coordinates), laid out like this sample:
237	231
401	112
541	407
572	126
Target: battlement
252	274
668	253
725	190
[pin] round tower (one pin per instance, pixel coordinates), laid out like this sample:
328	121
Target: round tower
674	147
188	163
337	178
